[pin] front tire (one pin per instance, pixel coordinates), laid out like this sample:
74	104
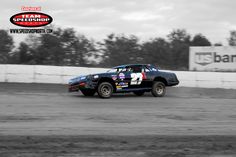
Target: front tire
105	90
88	92
139	93
158	89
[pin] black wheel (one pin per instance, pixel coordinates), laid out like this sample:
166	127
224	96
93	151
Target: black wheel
105	90
158	89
139	93
88	92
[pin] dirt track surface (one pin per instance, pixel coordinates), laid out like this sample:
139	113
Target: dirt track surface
45	120
114	146
39	109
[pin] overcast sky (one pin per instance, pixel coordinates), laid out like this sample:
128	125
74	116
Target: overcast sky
144	18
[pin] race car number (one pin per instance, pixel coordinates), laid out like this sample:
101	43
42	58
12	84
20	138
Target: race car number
136	78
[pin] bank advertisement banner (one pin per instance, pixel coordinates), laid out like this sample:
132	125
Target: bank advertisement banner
210	58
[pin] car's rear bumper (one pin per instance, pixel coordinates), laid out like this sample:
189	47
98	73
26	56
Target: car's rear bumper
174	83
173	80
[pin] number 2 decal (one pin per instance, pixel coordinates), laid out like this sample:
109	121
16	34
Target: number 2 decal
136	78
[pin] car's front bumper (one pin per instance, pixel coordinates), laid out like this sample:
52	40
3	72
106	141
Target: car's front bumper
74	87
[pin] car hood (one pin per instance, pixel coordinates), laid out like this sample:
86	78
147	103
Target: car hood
84	77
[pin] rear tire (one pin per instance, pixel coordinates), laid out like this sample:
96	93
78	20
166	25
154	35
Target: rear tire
139	93
88	92
105	90
158	89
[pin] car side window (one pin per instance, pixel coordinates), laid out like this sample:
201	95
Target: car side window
152	68
136	69
129	69
145	69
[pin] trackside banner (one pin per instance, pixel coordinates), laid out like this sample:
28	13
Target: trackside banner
210	58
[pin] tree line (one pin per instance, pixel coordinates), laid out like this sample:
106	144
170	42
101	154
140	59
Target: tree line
65	47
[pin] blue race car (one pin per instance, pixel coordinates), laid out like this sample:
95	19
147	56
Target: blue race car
136	78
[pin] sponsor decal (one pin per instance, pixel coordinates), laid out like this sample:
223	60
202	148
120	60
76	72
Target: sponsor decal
114	77
122	76
31	19
121	85
205	58
118	87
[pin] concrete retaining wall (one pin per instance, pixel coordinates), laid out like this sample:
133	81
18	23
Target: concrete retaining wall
61	75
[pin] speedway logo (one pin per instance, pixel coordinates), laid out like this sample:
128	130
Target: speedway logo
205	58
31	19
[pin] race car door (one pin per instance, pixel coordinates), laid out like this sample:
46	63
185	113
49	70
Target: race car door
131	77
135	76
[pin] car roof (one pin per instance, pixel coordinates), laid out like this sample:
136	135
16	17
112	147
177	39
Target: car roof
125	65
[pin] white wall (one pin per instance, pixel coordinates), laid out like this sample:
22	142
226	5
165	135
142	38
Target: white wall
42	74
207	79
61	75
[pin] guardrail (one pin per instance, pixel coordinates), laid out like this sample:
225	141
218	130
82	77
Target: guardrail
61	75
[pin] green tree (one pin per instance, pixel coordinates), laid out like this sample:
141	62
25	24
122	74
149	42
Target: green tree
200	40
23	54
6	46
50	51
62	47
232	38
84	48
121	49
157	52
76	48
179	45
